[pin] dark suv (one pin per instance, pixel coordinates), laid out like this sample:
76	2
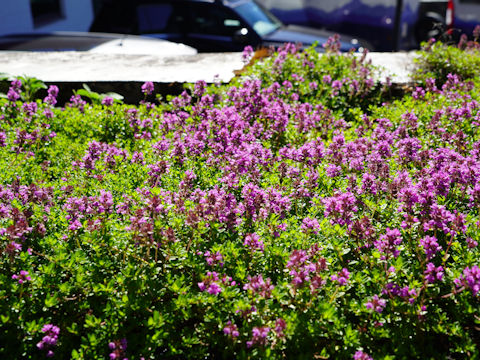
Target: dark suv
208	25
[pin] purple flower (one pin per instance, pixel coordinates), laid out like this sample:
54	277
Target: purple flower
341	207
138	158
247	54
22	277
48	113
333	170
50	339
303	270
12	247
258	286
107	101
476	33
336	84
408	150
430	85
259	336
231	330
199	88
75	225
430	246
280	326
387	244
360	355
51	98
210	283
327	79
16	84
471	243
30	109
213	258
408	196
433	273
147	88
405	292
470	279
310	224
119	348
342	277
377	304
12	95
53	90
214	289
253	242
369	184
3	139
333	44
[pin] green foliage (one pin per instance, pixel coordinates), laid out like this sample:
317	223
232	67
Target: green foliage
256	220
437	60
31	86
95	97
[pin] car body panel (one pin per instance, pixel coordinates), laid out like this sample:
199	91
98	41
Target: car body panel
94	43
305	36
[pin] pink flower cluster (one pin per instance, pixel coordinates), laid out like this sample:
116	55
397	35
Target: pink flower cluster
22	277
470	279
50	339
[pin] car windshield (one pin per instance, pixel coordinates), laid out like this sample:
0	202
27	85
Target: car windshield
261	21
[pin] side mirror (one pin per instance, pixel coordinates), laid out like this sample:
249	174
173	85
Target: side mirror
241	36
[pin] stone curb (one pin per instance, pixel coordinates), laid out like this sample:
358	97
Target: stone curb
124	74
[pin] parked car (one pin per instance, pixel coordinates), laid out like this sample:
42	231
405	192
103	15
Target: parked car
466	16
209	25
93	43
386	24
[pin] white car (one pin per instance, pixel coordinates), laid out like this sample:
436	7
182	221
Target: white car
94	43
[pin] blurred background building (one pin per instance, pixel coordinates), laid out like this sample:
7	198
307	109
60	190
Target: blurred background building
27	16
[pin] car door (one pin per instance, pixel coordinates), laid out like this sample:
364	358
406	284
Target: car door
162	20
214	28
115	17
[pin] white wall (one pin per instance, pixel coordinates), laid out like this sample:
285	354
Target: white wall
16	17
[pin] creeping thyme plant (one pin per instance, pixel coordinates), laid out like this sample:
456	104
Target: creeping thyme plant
294	213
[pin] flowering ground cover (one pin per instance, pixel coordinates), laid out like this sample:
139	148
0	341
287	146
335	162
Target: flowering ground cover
298	212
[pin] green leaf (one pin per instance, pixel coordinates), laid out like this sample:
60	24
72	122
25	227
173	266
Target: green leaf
115	96
91	321
73	328
89	94
156	321
50	300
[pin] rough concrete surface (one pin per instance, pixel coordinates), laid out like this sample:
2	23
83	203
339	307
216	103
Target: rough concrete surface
397	66
124	74
82	66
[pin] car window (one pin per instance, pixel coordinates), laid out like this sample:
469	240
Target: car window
261	21
115	17
159	18
213	20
